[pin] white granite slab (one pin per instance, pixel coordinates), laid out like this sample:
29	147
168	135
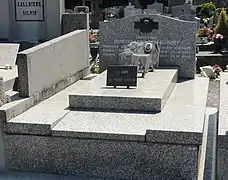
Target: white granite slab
40	118
183	113
8	54
150	94
9	77
38	176
223	106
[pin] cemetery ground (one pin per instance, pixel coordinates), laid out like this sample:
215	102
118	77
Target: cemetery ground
145	115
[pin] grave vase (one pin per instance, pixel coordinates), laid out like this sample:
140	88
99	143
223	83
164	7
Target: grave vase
217	45
94	52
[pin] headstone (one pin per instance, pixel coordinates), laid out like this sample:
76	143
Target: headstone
69	11
81	9
150	11
95	19
8	54
131	10
185	9
157	6
74	21
122	76
177	39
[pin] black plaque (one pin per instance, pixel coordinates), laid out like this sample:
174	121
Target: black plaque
146	25
121	76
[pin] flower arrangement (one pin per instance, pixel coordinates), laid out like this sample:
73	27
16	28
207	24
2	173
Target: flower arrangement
217	69
217	36
92	37
204	32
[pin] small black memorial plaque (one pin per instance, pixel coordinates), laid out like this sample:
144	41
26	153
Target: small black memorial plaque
121	76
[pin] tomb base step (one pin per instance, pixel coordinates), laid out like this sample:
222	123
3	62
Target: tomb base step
150	95
45	115
120	145
222	163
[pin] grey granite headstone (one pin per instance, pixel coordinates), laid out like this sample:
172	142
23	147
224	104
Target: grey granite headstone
177	39
8	54
73	21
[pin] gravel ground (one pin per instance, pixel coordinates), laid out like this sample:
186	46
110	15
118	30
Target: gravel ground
213	94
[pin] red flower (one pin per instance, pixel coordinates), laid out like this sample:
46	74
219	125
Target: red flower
217	36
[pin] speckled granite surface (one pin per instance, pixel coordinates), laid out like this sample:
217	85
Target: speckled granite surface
100	158
150	95
213	94
37	176
223	129
177	37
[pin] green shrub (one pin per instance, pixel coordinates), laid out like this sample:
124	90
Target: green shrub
205	10
221	27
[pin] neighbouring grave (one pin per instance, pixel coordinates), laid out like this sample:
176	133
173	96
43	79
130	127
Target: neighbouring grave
31	20
8	54
157	6
81	9
131	10
177	39
186	8
74	21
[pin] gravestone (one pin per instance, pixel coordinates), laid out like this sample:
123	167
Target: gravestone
177	39
95	19
149	11
157	6
74	21
131	10
69	11
8	54
185	8
81	9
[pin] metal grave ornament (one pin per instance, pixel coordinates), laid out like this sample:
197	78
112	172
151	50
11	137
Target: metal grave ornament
146	25
121	76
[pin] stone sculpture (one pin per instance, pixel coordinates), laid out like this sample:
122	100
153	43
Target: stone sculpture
3	97
145	55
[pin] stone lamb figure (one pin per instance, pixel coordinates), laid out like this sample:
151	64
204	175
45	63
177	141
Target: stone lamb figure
150	48
3	97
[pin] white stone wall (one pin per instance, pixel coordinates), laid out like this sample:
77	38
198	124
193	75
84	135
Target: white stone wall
52	62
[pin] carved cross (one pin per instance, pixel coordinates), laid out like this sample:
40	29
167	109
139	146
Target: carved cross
146	25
